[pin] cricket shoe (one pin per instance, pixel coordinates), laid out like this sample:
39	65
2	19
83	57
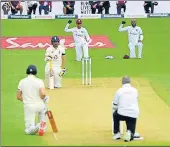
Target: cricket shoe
127	136
42	128
137	137
117	136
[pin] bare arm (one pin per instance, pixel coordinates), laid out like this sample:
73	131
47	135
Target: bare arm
19	95
42	93
19	92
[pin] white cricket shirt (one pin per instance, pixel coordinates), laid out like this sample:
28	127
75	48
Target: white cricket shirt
56	54
80	35
30	87
134	33
126	98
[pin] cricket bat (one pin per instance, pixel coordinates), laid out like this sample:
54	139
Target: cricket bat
51	78
52	121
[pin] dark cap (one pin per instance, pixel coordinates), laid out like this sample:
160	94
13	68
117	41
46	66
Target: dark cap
78	21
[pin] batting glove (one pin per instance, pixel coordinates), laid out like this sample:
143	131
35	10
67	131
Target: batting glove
123	22
46	99
48	59
63	71
70	21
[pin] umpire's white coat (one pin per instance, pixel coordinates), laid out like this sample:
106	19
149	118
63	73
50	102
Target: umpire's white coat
126	99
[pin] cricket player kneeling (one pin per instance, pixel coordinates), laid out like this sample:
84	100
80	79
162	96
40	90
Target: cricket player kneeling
55	66
81	39
31	91
135	37
125	105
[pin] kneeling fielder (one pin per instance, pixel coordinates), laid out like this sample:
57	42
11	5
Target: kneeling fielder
55	58
135	37
125	108
31	92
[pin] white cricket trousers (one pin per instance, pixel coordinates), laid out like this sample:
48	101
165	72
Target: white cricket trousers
82	50
30	112
57	78
132	49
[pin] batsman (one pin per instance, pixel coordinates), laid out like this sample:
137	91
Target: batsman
55	63
31	92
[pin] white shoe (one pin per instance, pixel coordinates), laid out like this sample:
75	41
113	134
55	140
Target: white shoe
117	136
127	137
136	135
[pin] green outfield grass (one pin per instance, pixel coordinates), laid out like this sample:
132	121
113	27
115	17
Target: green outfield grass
154	66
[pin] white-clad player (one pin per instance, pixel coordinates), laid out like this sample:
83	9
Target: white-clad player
31	92
81	39
135	37
56	54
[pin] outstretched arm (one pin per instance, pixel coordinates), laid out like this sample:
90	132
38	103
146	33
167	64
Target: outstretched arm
67	28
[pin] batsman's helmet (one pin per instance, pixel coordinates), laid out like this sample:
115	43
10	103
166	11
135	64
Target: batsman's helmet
55	39
31	70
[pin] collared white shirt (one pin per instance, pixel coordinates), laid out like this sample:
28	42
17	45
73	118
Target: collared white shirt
30	88
80	35
126	98
134	33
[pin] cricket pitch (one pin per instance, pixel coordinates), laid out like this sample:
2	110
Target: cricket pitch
83	113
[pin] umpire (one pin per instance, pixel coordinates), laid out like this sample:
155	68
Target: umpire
125	108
